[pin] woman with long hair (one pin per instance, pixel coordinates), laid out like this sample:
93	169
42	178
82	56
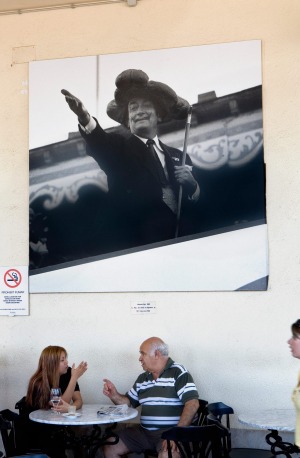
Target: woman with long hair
53	371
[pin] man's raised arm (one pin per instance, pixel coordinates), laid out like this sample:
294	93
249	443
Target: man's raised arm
77	107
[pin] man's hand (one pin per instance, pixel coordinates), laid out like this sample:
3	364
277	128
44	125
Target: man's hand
77	107
109	389
164	446
185	178
163	453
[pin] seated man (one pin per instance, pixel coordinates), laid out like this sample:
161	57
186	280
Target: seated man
168	396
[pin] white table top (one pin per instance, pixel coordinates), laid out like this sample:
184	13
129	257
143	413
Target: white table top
88	416
277	419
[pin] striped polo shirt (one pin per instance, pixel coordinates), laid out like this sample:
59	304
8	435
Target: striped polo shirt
163	399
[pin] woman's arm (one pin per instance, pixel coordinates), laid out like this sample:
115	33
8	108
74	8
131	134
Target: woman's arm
77	400
76	372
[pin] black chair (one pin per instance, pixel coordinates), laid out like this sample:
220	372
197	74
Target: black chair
196	441
12	433
21	406
201	413
200	420
219	409
7	435
12	436
228	451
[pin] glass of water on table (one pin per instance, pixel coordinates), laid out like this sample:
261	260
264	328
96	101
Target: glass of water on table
55	395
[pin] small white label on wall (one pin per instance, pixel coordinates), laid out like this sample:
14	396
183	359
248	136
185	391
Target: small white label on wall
139	308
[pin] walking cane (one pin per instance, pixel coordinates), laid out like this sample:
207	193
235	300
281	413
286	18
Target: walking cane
186	134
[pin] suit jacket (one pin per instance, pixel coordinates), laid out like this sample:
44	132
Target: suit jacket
137	211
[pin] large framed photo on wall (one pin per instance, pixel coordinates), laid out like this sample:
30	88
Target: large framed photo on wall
147	171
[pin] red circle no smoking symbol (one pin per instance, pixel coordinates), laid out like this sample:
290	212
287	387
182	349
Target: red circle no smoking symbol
12	278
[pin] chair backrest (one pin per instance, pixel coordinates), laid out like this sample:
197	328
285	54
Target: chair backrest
200	420
8	432
219	409
195	441
5	426
21	406
12	433
201	413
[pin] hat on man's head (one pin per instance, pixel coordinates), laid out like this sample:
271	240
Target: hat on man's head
135	83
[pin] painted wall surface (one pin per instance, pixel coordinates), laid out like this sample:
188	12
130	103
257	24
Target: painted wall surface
233	343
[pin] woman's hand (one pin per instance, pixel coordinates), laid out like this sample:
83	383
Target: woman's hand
62	407
79	370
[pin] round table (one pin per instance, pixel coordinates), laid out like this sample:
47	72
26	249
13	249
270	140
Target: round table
273	420
87	415
279	419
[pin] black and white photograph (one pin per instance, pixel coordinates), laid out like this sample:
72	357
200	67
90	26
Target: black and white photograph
147	171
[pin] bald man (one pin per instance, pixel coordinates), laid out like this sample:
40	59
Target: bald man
168	396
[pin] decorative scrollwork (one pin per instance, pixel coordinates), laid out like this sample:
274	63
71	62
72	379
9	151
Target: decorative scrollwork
280	447
210	155
235	150
243	148
54	195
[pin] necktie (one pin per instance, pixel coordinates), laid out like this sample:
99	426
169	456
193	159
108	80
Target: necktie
157	164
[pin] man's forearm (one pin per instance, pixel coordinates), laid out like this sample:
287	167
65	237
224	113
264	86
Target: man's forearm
120	399
188	413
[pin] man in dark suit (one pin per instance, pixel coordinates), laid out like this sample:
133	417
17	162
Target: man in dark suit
143	174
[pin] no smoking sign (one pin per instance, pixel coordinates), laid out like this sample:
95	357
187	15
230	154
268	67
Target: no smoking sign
14	290
12	278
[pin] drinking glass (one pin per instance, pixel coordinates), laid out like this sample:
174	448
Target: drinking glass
55	395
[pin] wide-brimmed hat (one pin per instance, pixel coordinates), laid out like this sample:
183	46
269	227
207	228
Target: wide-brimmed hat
135	83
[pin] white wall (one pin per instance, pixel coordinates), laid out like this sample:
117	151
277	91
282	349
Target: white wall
233	343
